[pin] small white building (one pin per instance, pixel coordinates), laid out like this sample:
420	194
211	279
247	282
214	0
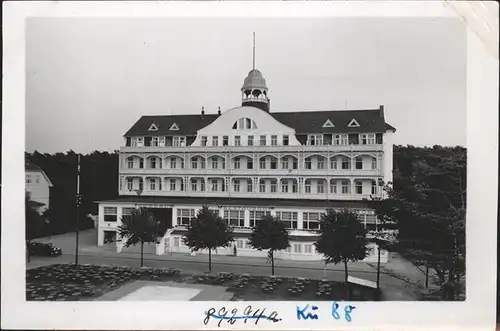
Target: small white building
38	185
247	162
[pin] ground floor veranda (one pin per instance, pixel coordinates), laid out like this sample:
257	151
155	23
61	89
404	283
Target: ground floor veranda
300	216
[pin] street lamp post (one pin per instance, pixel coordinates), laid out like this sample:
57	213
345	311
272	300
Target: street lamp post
78	200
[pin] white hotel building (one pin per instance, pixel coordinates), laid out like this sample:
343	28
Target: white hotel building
247	162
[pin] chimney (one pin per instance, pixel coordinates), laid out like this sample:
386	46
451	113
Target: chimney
202	112
218	111
381	111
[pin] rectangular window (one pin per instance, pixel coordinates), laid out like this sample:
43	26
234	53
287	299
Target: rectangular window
202	164
141	163
172	185
179	141
236	163
321	186
127	213
308	186
215	141
311	220
308	163
173	163
274	163
215	185
263	140
168	141
371	139
236	185
250	141
249	164
204	140
346	163
256	216
184	216
262	163
294	187
374	187
237	141
130	163
249	186
315	139
274	140
285	140
321	163
155	141
359	187
284	187
294	164
289	218
225	141
262	187
110	214
194	186
344	139
177	242
333	187
215	163
152	184
133	142
284	164
333	163
297	248
239	243
152	163
235	218
161	142
374	163
359	163
273	186
194	164
308	248
345	187
140	142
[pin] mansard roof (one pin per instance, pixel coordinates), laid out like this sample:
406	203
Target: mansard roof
369	120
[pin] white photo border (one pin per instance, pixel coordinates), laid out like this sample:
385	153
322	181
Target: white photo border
477	312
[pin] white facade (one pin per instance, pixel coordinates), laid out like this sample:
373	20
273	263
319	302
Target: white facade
245	162
38	185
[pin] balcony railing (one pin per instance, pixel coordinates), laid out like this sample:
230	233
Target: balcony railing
252	149
267	195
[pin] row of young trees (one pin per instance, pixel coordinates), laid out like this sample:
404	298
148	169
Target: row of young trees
342	238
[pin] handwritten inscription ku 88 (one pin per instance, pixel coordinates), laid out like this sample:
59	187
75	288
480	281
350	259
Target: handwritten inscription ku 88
231	316
303	313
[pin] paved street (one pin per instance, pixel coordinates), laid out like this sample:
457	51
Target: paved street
89	253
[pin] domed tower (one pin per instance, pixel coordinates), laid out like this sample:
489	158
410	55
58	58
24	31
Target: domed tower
254	90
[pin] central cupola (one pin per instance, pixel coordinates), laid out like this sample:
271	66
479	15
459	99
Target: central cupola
254	90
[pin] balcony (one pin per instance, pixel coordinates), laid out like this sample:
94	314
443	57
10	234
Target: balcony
253	149
253	195
251	172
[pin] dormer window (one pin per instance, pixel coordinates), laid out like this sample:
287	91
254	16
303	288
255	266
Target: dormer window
353	124
244	124
174	127
328	124
179	141
153	127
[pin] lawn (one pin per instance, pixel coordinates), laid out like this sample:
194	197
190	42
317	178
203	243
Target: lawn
67	282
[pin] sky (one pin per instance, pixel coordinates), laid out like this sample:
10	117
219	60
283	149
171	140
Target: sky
88	80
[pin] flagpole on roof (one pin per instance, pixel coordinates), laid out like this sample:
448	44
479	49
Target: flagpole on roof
78	200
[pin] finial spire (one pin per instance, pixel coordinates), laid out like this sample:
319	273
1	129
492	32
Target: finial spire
253	51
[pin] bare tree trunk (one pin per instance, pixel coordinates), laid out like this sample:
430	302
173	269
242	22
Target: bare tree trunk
346	280
142	254
28	255
426	275
272	262
209	260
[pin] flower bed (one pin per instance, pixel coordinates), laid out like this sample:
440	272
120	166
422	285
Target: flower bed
67	282
42	249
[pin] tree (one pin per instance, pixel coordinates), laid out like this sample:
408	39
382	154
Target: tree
342	238
138	228
427	202
35	223
208	231
271	234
